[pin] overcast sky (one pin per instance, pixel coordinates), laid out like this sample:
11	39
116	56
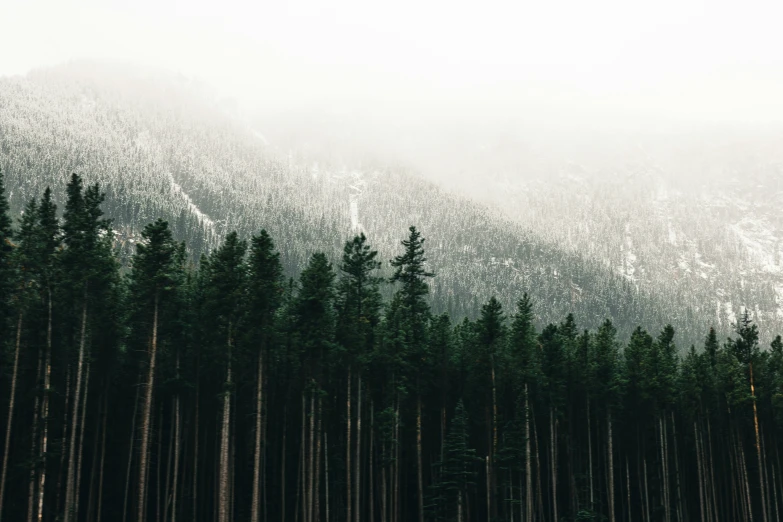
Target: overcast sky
679	60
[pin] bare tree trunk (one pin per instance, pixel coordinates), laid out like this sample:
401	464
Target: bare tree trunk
61	468
700	469
282	465
489	502
611	467
758	445
492	479
349	484
34	439
103	458
553	460
372	458
628	486
257	454
177	437
130	452
665	481
680	517
45	409
195	441
300	479
317	473
326	472
310	463
70	476
419	471
94	467
83	423
358	470
224	493
528	464
146	413
590	453
11	403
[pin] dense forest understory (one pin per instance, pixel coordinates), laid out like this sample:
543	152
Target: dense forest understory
220	390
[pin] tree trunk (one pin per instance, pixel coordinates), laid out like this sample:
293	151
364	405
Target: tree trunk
348	451
326	471
257	454
34	441
680	517
528	464
419	471
372	458
282	465
317	473
492	479
83	423
177	437
310	462
11	403
358	470
45	408
103	458
130	451
224	492
611	467
590	453
70	476
553	460
758	445
146	414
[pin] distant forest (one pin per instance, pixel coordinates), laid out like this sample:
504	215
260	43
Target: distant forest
221	390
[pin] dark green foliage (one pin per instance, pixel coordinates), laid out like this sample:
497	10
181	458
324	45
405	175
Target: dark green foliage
507	409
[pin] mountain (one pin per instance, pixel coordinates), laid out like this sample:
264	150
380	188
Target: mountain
693	218
161	146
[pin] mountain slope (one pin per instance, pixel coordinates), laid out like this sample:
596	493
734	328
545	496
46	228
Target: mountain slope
161	148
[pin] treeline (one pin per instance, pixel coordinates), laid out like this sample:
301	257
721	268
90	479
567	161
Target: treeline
226	392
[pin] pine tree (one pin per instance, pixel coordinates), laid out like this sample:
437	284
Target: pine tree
265	285
410	272
152	280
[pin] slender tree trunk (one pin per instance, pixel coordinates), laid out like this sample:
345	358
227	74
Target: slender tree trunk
492	479
34	441
103	457
358	470
700	469
177	438
326	472
611	467
528	464
282	465
348	451
680	517
45	408
196	439
758	445
628	487
553	460
83	423
130	451
590	453
372	458
11	403
70	476
66	411
317	473
94	466
224	492
146	414
257	454
310	460
419	474
300	479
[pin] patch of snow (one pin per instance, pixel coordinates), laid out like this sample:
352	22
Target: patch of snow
204	219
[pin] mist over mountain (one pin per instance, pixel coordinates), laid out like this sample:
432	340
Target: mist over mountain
509	221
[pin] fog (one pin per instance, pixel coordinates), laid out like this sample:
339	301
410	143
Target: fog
423	82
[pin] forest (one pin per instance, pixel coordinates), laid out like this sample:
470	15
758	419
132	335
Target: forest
162	388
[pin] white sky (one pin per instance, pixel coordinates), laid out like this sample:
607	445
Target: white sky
683	60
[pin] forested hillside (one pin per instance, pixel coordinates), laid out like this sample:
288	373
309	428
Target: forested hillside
223	390
160	147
